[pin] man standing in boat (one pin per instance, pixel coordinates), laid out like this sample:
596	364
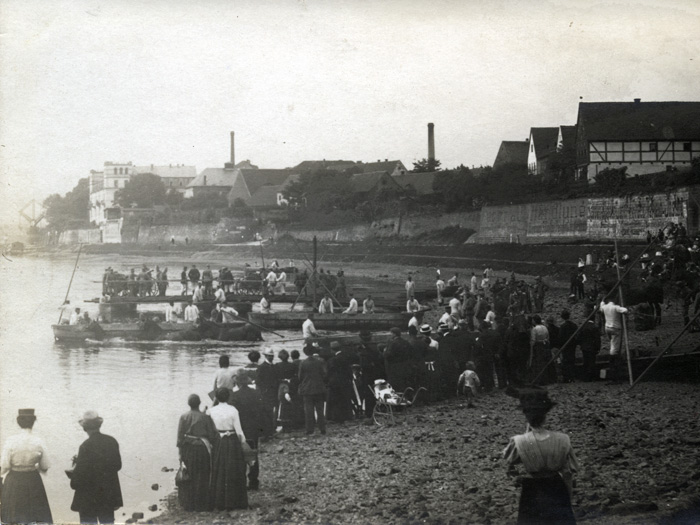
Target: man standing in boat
220	294
265	305
191	312
308	330
207	281
282	282
193	275
183	281
412	305
228	313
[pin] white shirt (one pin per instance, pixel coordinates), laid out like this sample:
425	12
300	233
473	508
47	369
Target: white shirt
414	322
368	306
74	318
612	314
229	314
265	306
224	378
440	285
24	452
191	313
325	306
271	278
473	282
169	314
490	316
412	305
455	305
220	295
447	319
308	329
198	295
226	418
282	277
410	286
352	309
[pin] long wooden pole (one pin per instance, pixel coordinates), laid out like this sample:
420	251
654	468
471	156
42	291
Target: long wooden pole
668	347
624	319
262	254
313	274
80	249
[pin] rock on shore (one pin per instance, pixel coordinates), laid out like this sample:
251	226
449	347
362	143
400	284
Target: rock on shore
639	453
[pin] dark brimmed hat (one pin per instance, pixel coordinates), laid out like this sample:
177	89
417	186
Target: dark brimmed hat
534	399
91	420
365	335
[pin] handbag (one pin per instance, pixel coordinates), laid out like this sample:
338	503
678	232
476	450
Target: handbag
182	476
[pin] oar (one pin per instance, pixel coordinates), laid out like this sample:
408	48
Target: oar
80	248
257	325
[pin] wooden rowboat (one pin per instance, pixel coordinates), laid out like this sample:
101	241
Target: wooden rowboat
356	322
78	333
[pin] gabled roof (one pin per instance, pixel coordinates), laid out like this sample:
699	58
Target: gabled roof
545	140
313	165
639	120
511	152
265	196
366	182
246	165
388	165
215	177
422	183
256	178
168	171
568	136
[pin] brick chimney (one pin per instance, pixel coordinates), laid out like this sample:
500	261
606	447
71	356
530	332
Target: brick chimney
431	141
233	149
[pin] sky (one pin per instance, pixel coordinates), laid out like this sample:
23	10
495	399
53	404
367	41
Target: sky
165	81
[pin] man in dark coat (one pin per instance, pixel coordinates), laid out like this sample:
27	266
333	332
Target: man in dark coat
194	274
487	348
340	378
312	387
94	478
588	339
399	362
252	413
568	355
267	383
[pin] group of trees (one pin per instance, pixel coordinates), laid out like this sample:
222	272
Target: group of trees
70	211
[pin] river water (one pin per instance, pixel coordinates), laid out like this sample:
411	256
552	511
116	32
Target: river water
139	389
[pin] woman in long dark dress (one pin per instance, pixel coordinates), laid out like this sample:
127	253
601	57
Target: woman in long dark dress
196	438
23	457
229	475
549	462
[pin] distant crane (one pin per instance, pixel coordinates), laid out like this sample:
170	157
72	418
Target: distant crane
33	218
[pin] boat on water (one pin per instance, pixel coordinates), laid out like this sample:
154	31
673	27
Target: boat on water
348	322
102	331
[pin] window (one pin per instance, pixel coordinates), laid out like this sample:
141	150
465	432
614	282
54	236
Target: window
652	146
686	146
116	183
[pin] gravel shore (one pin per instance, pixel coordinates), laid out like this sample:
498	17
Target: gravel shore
441	463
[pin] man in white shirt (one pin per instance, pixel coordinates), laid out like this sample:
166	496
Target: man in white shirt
169	312
440	286
455	306
308	330
271	281
228	313
220	294
74	317
198	294
447	319
473	284
191	312
326	305
410	287
368	305
613	324
265	305
352	309
282	282
412	305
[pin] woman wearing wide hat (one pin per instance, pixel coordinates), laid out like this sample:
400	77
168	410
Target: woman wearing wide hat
549	462
23	457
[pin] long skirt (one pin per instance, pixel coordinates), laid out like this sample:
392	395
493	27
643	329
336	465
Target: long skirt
229	477
194	494
545	500
24	499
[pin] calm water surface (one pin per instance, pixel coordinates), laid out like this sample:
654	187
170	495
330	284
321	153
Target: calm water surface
139	389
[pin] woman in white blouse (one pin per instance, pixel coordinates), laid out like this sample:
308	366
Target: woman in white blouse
229	472
23	457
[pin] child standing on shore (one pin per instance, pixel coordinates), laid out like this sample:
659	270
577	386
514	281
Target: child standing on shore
468	384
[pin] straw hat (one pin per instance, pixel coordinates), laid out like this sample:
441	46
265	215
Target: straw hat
91	420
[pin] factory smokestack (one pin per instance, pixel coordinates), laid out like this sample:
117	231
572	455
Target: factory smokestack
431	141
233	149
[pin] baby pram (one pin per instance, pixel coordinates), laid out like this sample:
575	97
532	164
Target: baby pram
389	402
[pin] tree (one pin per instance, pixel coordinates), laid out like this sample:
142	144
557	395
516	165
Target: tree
456	188
143	190
426	165
611	179
70	211
174	198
